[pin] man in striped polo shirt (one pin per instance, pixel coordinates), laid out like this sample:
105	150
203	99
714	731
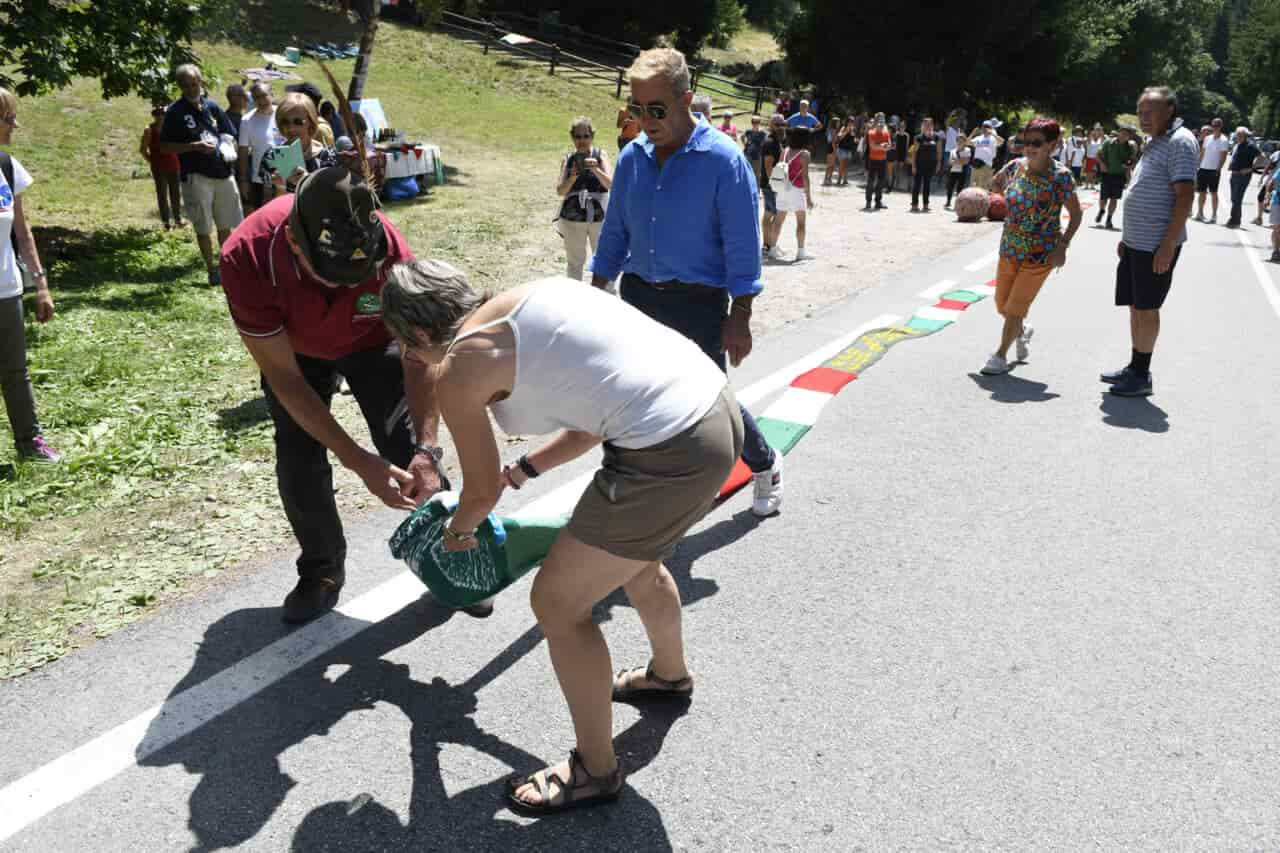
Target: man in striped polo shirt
1155	217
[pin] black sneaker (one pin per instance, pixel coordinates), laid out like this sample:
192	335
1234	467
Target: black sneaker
1275	256
1110	227
1133	385
1114	376
880	206
1097	219
312	597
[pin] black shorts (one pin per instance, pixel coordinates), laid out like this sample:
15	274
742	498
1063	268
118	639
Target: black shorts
1137	284
1112	187
1207	180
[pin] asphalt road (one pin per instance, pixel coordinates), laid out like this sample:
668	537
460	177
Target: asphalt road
996	613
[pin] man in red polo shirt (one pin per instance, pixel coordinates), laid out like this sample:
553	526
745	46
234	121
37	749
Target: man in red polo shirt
302	277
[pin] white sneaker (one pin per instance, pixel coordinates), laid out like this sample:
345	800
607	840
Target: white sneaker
775	253
767	499
1024	343
802	255
995	366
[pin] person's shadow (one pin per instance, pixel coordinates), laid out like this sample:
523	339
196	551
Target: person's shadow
1133	413
237	754
1008	388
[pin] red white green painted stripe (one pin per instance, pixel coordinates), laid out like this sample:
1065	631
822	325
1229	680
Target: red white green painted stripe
793	414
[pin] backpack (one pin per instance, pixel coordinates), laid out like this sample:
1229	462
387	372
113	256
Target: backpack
6	166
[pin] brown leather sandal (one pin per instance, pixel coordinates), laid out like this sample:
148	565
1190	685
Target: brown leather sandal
608	787
681	689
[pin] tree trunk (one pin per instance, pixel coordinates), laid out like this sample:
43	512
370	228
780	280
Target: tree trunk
361	72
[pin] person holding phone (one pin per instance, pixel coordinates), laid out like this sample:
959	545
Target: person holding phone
297	120
585	178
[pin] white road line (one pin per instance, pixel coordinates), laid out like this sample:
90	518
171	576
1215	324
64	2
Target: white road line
62	780
984	261
938	289
1264	278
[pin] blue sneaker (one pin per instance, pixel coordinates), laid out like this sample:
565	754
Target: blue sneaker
1133	384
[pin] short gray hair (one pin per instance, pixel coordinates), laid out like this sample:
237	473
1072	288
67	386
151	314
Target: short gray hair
186	69
701	104
582	123
1168	95
664	62
425	301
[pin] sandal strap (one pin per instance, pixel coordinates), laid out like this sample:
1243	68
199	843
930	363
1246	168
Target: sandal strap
679	684
609	782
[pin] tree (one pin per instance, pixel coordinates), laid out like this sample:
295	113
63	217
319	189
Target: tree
1254	56
1087	59
128	45
368	14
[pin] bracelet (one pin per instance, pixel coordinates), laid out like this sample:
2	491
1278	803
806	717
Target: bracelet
460	538
527	467
39	274
511	481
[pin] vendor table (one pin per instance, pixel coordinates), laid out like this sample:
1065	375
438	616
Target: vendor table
405	161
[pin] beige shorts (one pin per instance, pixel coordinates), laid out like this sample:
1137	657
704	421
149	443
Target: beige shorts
211	202
642	502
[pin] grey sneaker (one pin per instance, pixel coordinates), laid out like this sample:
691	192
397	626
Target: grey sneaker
767	497
995	366
1024	343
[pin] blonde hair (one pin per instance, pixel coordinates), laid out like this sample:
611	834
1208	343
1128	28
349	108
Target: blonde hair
187	70
664	62
8	102
295	101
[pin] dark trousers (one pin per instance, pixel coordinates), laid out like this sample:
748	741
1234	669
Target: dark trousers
303	474
698	313
19	400
957	181
1239	186
875	179
920	184
168	196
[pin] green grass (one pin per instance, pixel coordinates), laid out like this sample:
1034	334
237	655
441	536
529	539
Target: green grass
752	45
141	379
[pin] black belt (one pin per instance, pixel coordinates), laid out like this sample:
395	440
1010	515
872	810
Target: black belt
675	287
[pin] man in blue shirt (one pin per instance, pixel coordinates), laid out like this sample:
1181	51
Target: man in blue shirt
193	127
804	118
683	227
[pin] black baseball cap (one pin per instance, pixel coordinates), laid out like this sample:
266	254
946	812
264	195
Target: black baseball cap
336	225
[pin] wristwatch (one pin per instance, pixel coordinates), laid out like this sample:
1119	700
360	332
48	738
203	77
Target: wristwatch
436	453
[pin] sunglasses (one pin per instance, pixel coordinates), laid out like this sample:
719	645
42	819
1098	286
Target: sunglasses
293	122
12	120
656	111
1034	143
582	135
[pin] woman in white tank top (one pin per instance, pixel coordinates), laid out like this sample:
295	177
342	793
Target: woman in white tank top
553	356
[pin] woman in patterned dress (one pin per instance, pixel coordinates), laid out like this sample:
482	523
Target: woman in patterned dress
1036	188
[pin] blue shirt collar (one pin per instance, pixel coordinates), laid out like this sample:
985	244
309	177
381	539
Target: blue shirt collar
700	140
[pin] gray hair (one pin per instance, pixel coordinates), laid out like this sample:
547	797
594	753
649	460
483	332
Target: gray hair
187	70
1164	92
701	104
664	62
582	123
425	301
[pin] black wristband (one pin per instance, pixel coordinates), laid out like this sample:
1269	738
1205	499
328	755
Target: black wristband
526	466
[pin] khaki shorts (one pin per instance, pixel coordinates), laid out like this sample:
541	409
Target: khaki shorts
642	502
1017	283
211	202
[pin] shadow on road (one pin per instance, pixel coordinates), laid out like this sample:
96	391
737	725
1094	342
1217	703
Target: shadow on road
1013	389
238	755
1133	413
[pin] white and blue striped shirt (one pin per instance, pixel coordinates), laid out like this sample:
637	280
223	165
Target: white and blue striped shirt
1168	159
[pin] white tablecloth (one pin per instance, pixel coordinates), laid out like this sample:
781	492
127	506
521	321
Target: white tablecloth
421	160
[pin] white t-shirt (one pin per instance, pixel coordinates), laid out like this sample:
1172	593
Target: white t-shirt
10	278
1215	152
984	150
1092	147
1073	151
952	136
259	134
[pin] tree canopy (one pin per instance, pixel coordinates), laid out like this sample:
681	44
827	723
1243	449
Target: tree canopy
129	45
1086	58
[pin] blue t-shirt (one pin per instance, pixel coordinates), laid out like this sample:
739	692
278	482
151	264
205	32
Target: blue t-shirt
185	122
808	120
